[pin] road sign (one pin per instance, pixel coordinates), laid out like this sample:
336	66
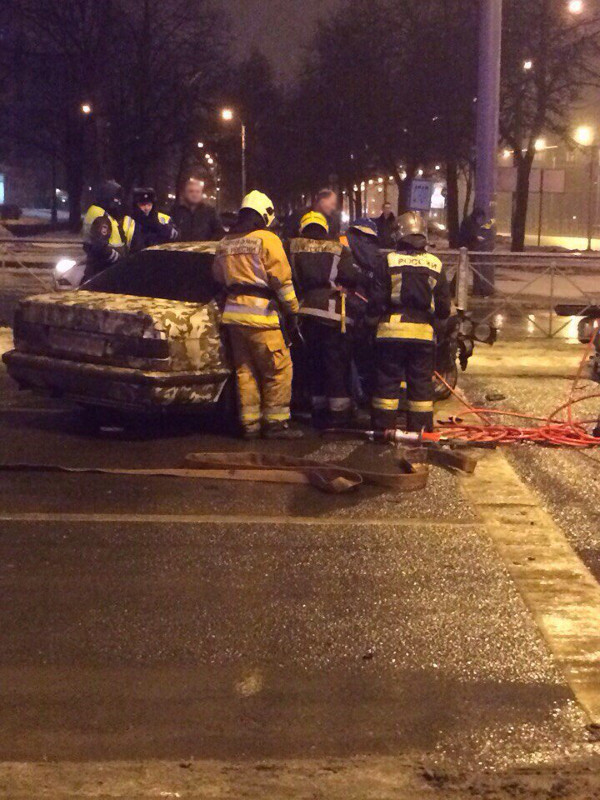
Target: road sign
420	195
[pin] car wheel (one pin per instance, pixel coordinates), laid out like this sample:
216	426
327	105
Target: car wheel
440	390
585	330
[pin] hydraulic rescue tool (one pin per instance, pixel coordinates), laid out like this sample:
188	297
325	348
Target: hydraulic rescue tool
407	438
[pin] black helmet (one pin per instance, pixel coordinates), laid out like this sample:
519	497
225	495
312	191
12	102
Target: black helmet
144	195
109	196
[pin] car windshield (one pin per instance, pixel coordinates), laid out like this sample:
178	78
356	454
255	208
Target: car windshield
164	274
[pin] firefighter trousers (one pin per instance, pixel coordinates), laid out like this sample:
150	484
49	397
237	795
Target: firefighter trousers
398	361
329	357
263	368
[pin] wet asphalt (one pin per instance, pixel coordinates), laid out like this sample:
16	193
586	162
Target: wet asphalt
211	620
535	375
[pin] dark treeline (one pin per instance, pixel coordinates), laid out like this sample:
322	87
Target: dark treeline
388	87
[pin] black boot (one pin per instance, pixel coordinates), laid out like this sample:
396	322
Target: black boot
280	430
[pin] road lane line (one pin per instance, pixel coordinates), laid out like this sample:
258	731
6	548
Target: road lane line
239	519
561	593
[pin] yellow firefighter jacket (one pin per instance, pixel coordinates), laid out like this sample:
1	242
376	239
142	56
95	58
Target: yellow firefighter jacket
256	273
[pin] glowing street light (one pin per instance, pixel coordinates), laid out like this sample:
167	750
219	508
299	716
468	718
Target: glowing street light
201	145
584	135
528	65
540	144
576	6
86	108
227	115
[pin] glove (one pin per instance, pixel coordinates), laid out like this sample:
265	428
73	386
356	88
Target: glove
291	325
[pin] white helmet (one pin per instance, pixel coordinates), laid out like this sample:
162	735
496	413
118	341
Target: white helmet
262	204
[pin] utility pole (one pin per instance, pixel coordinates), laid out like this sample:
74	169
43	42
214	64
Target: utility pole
244	166
488	113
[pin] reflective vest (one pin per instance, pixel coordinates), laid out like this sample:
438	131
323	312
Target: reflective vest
120	236
327	280
258	278
411	304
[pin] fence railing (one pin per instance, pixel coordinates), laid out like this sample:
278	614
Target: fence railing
26	265
521	282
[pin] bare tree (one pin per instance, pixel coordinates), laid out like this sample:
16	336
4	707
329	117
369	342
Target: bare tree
171	60
57	54
113	88
550	58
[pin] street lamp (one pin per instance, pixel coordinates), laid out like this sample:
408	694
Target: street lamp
86	108
575	6
227	115
585	136
528	65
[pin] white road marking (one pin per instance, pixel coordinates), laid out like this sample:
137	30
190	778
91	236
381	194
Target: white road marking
228	519
561	593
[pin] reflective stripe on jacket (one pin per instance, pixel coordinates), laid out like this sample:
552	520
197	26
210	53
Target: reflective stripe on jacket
128	230
256	260
416	291
327	281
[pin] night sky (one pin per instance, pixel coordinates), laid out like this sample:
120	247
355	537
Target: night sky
277	27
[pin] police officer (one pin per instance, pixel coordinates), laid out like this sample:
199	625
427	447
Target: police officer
412	294
332	301
107	234
254	270
152	227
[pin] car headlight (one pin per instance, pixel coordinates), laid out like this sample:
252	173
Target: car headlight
64	265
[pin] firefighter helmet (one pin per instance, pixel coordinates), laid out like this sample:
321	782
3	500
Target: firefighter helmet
262	204
365	225
314	218
412	229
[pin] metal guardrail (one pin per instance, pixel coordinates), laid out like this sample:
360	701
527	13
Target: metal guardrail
26	265
539	279
534	277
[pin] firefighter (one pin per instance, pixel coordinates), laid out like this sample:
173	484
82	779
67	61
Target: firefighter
152	227
364	245
107	234
254	270
331	304
413	293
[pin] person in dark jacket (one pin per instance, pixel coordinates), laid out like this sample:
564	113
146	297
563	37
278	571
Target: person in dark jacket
413	294
386	228
194	219
332	302
152	227
364	244
325	202
470	234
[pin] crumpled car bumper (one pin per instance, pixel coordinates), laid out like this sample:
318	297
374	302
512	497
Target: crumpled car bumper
116	387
